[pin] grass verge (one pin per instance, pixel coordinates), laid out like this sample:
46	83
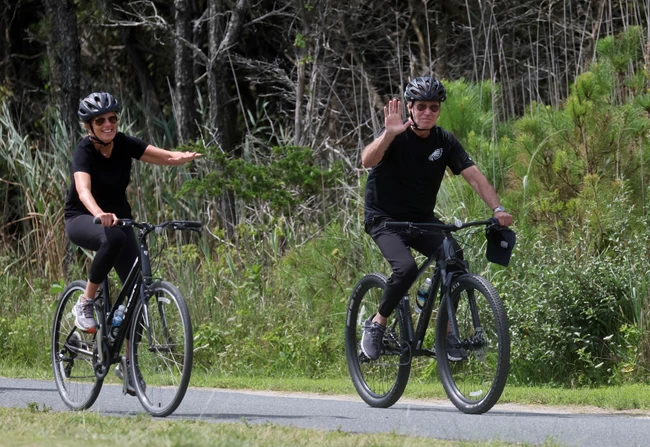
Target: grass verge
35	426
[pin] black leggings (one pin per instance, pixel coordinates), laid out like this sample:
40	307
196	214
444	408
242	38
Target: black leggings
395	246
115	246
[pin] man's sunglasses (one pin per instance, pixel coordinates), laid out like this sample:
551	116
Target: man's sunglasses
435	108
111	119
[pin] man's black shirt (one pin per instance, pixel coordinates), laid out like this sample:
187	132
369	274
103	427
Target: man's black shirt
405	183
109	177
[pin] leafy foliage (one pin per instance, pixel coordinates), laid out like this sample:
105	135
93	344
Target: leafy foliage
285	178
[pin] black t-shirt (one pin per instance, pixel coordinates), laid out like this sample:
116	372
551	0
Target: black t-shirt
109	177
405	183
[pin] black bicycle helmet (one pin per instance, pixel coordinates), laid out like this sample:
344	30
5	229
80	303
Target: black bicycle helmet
425	88
97	104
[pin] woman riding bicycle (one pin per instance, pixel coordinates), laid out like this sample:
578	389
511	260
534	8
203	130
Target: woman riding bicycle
101	172
409	159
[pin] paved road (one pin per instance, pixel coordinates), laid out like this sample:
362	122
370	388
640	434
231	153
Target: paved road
436	420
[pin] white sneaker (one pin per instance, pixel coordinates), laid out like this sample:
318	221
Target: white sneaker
84	314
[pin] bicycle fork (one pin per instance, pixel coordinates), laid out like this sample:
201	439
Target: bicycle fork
102	365
477	337
102	309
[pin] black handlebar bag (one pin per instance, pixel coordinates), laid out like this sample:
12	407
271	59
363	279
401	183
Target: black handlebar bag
500	242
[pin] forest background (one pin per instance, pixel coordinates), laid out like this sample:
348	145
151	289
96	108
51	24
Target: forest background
550	98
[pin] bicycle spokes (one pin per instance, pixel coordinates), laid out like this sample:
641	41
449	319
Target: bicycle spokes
475	383
73	354
161	357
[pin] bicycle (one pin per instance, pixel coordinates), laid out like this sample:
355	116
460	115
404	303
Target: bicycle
469	307
159	329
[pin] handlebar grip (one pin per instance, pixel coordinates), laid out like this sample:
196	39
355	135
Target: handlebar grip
397	225
192	224
120	222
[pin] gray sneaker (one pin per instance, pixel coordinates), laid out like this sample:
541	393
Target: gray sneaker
84	315
372	338
454	354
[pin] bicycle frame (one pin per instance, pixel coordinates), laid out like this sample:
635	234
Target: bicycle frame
136	289
443	258
135	286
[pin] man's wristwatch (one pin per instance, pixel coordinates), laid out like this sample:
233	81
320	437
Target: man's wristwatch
498	209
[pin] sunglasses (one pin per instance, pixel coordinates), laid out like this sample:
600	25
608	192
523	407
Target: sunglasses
111	119
435	108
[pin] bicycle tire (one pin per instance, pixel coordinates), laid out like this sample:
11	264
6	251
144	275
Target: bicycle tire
380	383
475	383
162	371
73	354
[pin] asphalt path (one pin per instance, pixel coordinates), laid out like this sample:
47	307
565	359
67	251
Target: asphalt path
440	420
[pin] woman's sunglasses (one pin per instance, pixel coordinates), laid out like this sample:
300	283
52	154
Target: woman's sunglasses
435	108
111	119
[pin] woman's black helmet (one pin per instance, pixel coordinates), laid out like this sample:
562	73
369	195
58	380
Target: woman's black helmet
97	104
425	88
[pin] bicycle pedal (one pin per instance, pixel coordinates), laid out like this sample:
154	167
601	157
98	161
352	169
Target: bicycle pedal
429	353
123	374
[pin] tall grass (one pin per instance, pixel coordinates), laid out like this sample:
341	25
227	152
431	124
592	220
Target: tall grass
39	172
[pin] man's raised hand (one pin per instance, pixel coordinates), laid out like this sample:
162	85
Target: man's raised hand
393	118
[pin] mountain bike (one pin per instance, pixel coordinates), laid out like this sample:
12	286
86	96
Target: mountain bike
156	325
469	309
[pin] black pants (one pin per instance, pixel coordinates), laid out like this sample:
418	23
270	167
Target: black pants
395	245
115	246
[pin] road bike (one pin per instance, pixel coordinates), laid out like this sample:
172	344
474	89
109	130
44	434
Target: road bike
156	327
469	309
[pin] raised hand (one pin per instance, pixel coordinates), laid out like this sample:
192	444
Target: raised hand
179	158
393	118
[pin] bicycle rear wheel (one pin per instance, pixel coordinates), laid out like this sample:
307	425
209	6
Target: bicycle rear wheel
381	382
475	383
73	354
161	350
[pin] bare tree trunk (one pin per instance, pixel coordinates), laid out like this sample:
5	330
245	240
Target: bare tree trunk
64	53
65	58
183	71
148	91
301	44
5	44
415	11
221	37
147	88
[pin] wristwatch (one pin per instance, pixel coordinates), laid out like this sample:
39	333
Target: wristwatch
498	209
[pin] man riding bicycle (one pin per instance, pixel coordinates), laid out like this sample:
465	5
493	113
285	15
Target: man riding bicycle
408	161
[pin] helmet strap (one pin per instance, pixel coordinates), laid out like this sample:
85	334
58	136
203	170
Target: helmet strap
414	125
95	139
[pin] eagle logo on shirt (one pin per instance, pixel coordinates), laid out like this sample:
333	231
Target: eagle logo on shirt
435	154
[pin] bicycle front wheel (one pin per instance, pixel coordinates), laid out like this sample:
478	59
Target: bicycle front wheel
73	353
381	382
161	350
475	380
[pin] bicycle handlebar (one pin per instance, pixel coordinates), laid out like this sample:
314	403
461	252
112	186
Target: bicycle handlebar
428	226
189	225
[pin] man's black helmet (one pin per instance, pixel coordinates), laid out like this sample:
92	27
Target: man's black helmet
97	104
425	88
